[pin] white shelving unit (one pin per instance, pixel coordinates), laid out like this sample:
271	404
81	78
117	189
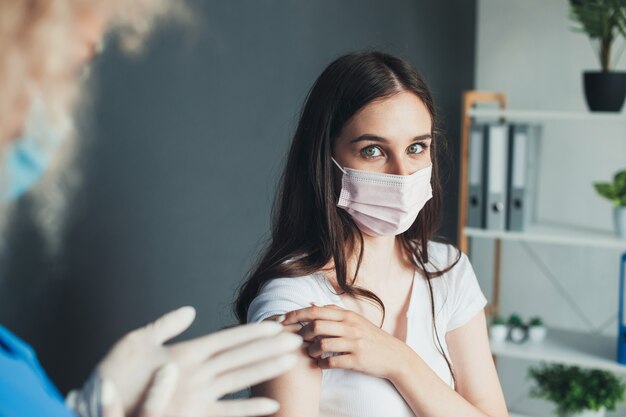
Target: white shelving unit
545	115
560	235
587	350
566	347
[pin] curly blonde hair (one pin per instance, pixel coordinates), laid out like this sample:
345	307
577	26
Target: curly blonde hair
35	43
38	39
134	20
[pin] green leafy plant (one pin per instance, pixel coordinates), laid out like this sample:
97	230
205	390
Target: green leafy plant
497	320
603	21
615	191
515	321
535	321
574	390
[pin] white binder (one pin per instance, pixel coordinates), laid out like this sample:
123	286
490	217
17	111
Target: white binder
517	177
496	176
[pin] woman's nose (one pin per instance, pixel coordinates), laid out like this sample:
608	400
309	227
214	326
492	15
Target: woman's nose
399	166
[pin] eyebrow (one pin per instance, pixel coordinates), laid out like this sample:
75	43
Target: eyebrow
376	138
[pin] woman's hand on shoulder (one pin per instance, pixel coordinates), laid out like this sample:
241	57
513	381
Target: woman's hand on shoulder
343	339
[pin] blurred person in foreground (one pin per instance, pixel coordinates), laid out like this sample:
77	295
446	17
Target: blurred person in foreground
45	45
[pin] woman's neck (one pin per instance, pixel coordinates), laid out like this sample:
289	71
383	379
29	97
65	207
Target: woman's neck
382	259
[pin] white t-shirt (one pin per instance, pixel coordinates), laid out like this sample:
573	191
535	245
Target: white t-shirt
344	393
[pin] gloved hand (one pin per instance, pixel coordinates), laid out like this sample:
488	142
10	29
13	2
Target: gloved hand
142	377
160	392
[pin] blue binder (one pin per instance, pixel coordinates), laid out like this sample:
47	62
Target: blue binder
621	322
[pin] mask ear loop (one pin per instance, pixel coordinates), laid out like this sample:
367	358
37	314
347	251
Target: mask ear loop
338	166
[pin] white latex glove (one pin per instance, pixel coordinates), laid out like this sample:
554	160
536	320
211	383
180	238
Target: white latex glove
157	397
142	377
161	391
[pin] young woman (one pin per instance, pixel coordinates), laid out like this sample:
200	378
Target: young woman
394	321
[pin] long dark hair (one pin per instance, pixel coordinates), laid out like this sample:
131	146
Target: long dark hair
308	230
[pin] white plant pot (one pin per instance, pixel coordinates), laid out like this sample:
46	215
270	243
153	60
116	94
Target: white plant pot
518	334
620	221
587	413
536	334
498	332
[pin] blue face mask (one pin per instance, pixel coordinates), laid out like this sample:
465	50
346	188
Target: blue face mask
28	156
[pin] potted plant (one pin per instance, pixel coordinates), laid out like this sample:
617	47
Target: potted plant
616	192
603	21
575	391
517	329
498	329
536	330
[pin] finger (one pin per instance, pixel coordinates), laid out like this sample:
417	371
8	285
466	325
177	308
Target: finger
292	328
330	345
254	374
337	362
278	319
171	324
335	306
253	352
314	313
199	349
323	328
160	391
247	408
110	400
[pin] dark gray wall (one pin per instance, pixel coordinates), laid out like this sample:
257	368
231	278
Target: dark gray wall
188	144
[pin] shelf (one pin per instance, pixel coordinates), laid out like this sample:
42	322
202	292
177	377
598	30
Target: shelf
554	234
568	347
546	115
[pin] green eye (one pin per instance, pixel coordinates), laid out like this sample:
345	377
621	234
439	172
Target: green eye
371	152
416	148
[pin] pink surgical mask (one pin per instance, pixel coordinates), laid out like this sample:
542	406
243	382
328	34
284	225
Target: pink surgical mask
384	204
